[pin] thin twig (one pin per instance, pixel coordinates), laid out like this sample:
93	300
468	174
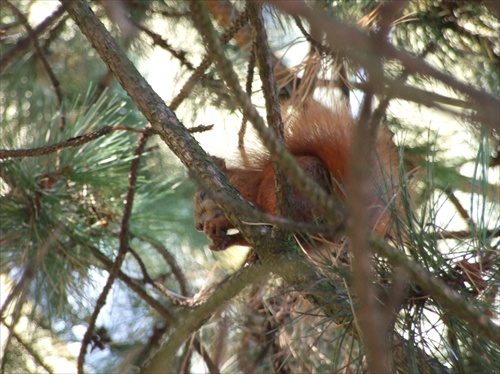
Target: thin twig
157	306
122	251
41	56
223	12
440	292
186	357
248	90
364	49
415	94
162	311
465	234
202	351
372	323
200	128
232	29
159	41
30	270
23	44
20	289
196	317
176	269
71	142
28	347
54	33
458	205
274	119
145	275
146	278
134	286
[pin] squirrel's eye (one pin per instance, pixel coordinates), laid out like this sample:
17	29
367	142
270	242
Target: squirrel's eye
202	195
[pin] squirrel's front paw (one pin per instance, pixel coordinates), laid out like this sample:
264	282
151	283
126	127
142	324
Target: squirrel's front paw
216	230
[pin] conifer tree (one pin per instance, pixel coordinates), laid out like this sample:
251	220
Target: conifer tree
98	253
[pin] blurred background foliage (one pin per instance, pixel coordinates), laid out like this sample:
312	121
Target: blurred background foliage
60	213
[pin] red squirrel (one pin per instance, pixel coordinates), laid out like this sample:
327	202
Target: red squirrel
320	140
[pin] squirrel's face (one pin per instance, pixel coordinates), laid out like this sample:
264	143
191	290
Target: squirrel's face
204	210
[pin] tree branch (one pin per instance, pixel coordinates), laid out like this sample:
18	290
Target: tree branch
164	121
52	77
71	142
274	119
157	306
286	161
122	251
23	44
38	358
192	320
231	31
448	298
362	48
170	260
161	118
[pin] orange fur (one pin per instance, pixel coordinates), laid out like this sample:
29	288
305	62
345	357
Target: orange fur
320	141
